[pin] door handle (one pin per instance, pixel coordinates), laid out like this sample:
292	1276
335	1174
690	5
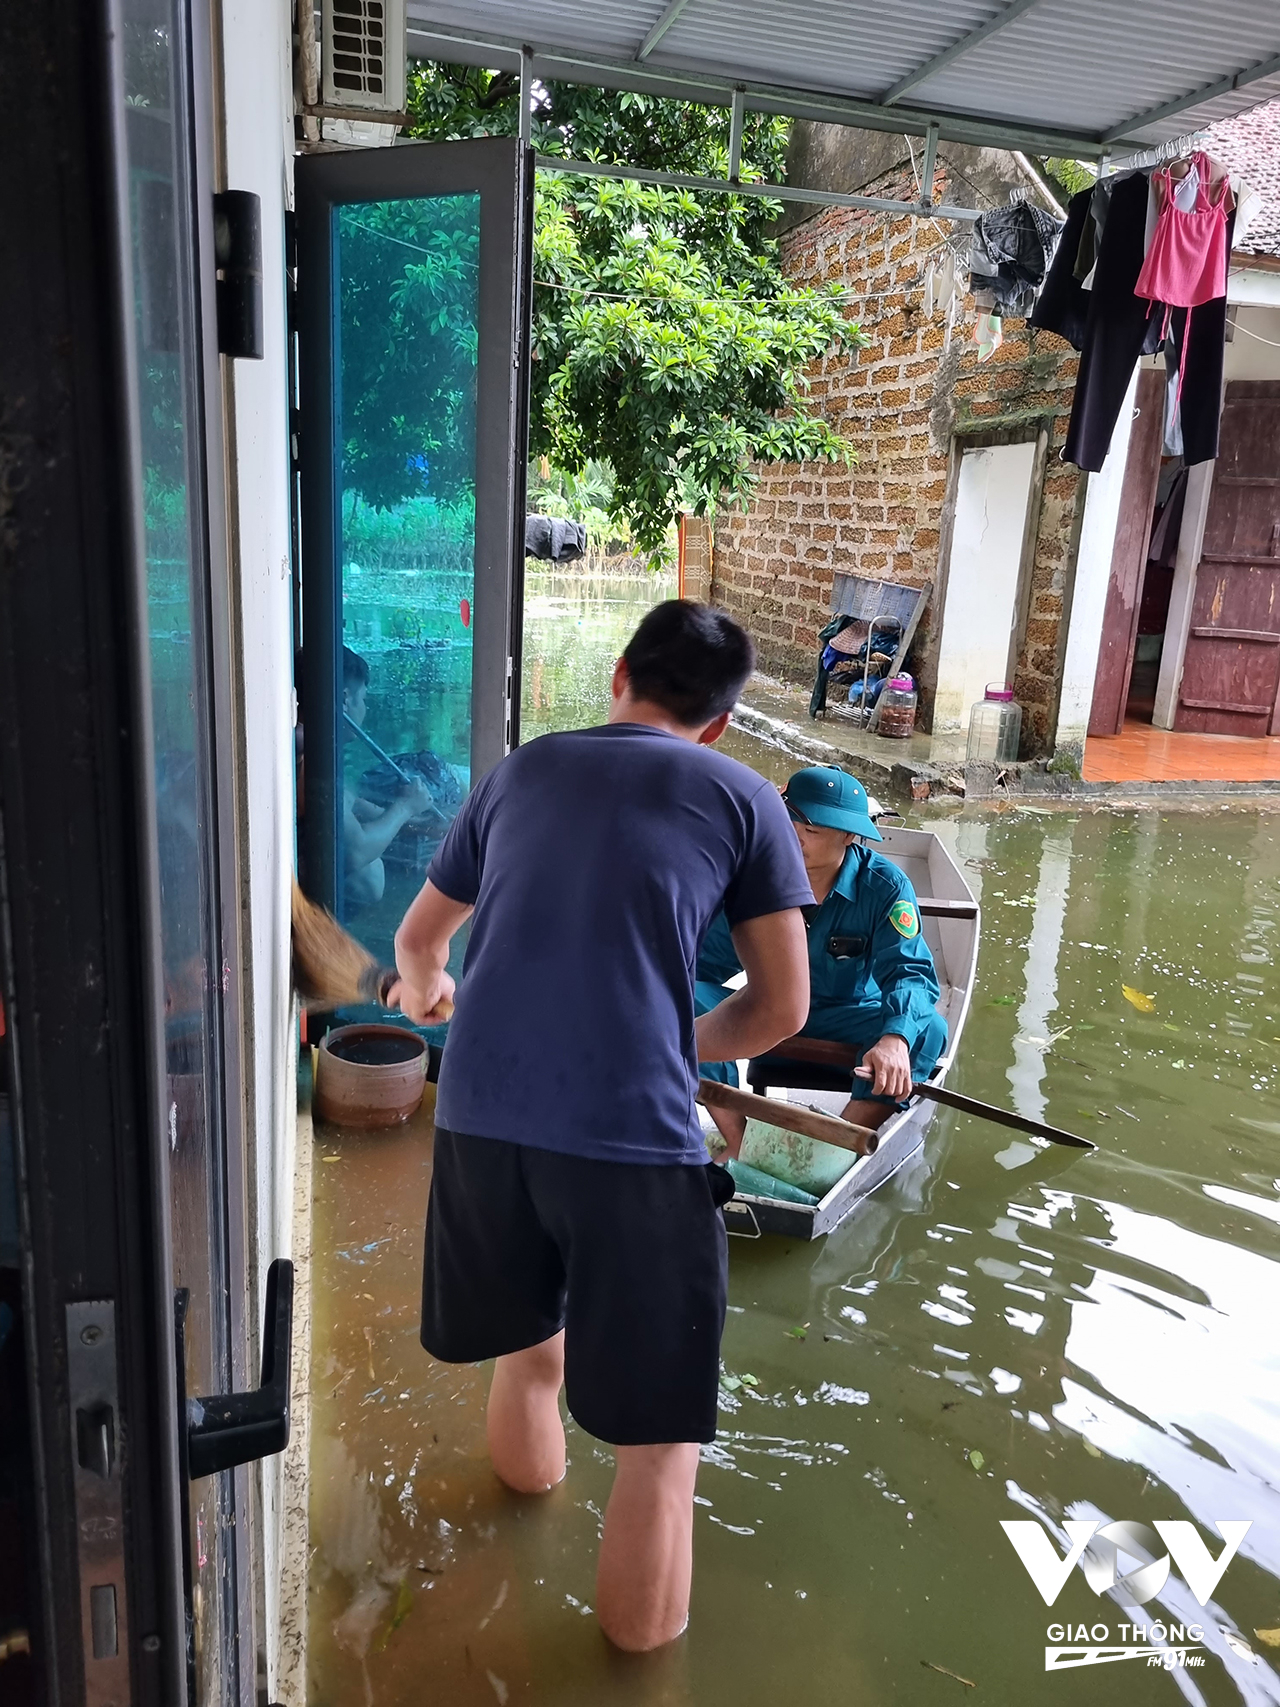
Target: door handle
235	1428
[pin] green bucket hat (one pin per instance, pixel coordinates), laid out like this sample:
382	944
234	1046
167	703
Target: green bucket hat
826	795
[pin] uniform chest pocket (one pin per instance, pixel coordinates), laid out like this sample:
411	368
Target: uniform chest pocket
846	947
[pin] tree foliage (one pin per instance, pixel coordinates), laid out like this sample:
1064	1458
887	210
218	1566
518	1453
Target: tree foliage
667	341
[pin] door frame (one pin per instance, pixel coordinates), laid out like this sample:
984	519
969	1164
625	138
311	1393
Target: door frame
500	170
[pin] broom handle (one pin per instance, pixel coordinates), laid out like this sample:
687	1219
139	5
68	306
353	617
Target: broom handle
809	1122
370	742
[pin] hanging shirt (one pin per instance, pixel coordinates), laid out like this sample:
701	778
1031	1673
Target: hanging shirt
1186	263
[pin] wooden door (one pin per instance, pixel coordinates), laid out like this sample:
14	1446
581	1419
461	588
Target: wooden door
1129	558
1231	669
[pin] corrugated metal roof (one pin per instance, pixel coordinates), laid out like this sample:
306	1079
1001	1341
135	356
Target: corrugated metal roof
1080	74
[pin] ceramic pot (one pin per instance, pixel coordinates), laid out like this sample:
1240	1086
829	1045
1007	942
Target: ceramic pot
370	1075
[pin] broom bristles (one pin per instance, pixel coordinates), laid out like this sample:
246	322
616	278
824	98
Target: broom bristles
330	967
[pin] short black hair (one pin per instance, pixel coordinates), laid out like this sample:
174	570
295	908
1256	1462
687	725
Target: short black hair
355	669
690	659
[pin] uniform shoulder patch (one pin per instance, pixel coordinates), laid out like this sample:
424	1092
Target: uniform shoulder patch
904	918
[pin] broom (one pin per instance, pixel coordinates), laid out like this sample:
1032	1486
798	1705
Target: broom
330	968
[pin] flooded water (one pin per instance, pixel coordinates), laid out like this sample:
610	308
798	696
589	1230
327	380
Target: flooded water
1003	1332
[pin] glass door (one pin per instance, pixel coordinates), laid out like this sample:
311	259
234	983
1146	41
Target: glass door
119	960
413	313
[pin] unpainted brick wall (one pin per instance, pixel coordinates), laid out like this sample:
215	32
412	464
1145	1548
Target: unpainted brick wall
900	401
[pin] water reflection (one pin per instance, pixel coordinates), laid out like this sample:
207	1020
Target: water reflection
997	1334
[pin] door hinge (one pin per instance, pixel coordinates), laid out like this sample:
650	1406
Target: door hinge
237	254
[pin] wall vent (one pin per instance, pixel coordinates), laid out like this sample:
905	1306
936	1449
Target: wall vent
364	54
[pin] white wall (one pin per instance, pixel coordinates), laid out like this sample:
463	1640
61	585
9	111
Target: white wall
1254	350
992	494
258	112
1092	578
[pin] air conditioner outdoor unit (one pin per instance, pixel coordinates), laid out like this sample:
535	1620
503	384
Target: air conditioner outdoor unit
364	54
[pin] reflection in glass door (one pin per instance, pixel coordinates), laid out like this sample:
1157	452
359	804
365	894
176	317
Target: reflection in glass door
412	338
407	276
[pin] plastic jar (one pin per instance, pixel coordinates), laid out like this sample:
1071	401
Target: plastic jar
995	726
897	707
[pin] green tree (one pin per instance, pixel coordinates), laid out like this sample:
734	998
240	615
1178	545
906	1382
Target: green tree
667	341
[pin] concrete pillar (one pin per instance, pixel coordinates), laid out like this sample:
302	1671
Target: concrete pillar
1178	624
1092	579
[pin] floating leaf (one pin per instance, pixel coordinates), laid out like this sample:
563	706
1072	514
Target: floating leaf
976	1459
750	1381
1081	1025
1171	1027
968	1682
798	1333
1090	1448
1178	1063
1144	1004
730	1383
1270	1637
1004	1001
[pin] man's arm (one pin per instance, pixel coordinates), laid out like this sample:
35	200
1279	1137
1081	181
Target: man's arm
774	1002
903	969
366	838
422	953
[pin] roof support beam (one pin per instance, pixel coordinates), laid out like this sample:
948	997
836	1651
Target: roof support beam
735	136
557	65
930	161
664	23
769	192
1224	86
931	67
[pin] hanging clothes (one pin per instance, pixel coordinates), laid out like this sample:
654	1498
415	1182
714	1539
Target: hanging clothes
1012	250
1120	327
1062	305
1186	264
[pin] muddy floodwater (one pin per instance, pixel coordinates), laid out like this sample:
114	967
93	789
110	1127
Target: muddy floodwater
1002	1332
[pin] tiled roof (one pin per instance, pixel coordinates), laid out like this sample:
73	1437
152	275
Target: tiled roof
1249	144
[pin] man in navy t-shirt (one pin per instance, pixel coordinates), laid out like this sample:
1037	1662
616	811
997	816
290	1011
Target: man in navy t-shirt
574	1228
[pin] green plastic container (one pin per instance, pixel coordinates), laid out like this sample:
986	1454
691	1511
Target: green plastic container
805	1163
760	1184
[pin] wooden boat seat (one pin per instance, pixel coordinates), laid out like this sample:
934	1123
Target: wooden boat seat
776	1070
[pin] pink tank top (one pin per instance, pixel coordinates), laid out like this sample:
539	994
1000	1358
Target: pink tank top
1187	261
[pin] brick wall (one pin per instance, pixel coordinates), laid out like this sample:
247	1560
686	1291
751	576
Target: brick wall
900	402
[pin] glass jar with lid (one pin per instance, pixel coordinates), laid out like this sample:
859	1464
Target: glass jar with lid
995	727
897	707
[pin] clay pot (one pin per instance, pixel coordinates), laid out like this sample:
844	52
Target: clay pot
370	1075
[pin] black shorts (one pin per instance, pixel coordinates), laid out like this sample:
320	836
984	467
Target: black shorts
629	1258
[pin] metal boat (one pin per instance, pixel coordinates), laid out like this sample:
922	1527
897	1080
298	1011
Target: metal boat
949	919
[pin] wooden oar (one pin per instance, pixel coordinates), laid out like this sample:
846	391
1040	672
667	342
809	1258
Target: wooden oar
822	1053
792	1117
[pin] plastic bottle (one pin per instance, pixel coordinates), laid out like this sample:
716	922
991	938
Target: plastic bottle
897	707
995	725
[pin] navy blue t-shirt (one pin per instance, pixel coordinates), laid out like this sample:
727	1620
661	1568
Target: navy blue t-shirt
595	861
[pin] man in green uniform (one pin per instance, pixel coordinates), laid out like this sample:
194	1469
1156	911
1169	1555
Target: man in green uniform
871	977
